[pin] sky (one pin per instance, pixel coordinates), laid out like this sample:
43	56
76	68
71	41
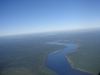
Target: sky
35	16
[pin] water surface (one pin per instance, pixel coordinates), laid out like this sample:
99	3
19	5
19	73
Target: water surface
59	64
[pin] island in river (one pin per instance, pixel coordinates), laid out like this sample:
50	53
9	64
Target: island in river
57	51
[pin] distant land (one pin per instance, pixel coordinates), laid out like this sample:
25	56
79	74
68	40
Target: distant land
86	57
26	54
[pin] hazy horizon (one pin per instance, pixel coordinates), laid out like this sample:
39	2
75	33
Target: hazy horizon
56	32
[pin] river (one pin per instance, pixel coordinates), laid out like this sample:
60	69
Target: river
58	63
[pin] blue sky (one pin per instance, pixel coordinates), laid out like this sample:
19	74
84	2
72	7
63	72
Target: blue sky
34	16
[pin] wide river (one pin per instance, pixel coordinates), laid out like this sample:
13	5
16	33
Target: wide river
58	63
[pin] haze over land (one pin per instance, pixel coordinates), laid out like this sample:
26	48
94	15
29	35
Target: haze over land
27	54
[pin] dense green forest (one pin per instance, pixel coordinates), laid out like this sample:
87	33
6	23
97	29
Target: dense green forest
25	56
86	57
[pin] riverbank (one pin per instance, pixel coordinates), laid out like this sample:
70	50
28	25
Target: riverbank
72	63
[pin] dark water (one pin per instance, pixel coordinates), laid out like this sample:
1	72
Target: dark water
58	63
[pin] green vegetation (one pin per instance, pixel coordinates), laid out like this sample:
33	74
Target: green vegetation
86	57
28	58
